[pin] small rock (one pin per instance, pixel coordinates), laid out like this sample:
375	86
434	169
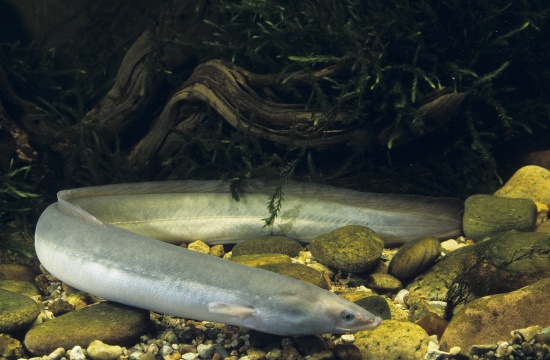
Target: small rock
16	311
376	305
350	248
433	324
449	245
487	215
56	354
346	352
217	251
414	257
268	245
79	300
109	322
393	340
383	283
298	271
10	347
77	353
98	350
60	307
531	182
17	272
199	246
255	354
528	333
205	350
310	344
419	307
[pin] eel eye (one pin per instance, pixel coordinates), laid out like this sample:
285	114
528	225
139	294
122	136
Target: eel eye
347	316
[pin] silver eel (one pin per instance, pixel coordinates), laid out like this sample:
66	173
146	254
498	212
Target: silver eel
103	240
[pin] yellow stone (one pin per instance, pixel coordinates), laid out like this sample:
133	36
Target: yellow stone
531	182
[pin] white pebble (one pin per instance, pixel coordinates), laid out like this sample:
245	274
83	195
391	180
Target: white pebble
348	338
56	354
438	305
205	351
77	353
166	350
449	245
400	297
190	356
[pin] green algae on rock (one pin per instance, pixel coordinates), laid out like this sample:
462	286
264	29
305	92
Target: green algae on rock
17	311
109	322
393	340
351	248
414	257
487	214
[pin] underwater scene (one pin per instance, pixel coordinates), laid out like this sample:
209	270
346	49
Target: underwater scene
278	180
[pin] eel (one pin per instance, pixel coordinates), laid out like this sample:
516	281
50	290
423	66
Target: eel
104	240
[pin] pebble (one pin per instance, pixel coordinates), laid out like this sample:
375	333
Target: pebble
383	283
449	245
414	257
16	311
98	350
401	296
350	248
77	353
346	352
10	347
56	354
199	246
206	350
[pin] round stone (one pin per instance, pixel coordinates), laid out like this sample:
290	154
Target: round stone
16	311
414	257
351	248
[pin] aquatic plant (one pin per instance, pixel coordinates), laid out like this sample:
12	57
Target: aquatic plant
381	60
18	200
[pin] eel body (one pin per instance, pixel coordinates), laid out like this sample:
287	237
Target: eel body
104	240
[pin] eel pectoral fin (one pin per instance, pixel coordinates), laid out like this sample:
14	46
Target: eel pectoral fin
230	309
